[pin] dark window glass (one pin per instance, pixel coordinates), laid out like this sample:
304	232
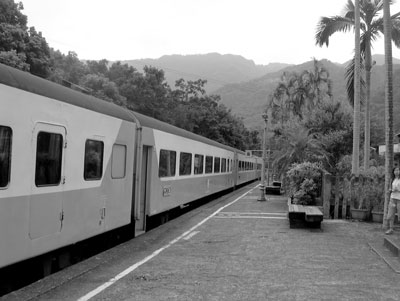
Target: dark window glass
48	159
217	164
93	160
185	164
209	164
198	164
5	155
228	166
223	165
167	163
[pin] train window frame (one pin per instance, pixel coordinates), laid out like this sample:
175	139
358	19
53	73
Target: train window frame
171	171
209	163
217	164
198	164
185	163
5	156
99	169
223	165
41	168
118	161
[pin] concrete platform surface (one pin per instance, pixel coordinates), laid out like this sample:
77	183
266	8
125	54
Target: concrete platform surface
234	248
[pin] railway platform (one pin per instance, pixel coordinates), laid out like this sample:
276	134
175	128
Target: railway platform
233	248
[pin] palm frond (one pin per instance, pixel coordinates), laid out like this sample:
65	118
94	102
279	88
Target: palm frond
349	7
396	29
350	80
327	26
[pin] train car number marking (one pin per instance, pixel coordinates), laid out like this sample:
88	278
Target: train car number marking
166	191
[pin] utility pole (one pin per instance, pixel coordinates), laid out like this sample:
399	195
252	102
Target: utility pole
262	184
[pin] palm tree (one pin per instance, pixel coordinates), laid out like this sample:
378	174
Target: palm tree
371	27
357	89
299	145
296	92
388	103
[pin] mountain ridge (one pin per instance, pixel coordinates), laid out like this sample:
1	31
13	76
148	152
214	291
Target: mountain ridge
217	69
245	87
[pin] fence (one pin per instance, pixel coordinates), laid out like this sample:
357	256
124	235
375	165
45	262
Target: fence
340	194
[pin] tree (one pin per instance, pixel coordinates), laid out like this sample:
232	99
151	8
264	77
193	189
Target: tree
388	28
10	13
37	54
19	47
14	59
98	67
299	93
371	27
103	88
333	125
299	145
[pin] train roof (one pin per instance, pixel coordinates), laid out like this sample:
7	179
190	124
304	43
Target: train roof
25	81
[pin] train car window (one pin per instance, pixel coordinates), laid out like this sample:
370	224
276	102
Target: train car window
118	161
227	166
198	164
209	164
185	164
217	166
223	165
5	155
167	164
48	159
93	160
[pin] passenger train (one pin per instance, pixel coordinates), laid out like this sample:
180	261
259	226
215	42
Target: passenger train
73	167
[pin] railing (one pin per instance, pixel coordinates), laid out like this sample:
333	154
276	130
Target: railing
340	194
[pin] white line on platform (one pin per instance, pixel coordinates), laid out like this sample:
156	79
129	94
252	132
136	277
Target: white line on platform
187	237
130	269
244	216
255	213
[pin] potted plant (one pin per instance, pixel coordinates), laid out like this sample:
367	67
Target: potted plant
369	194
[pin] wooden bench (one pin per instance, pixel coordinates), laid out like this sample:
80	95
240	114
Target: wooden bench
300	215
274	189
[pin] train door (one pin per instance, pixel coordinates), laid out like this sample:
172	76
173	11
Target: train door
47	186
140	223
235	169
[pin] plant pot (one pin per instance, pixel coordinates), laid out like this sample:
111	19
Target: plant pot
359	214
377	216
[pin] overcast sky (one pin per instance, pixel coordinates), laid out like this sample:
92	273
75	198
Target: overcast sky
264	31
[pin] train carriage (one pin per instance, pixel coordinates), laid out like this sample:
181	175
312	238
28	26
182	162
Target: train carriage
73	167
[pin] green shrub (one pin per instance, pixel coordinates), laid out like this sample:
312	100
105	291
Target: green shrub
304	182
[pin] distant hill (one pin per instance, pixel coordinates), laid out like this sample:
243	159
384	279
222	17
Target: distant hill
379	60
217	69
245	87
248	100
